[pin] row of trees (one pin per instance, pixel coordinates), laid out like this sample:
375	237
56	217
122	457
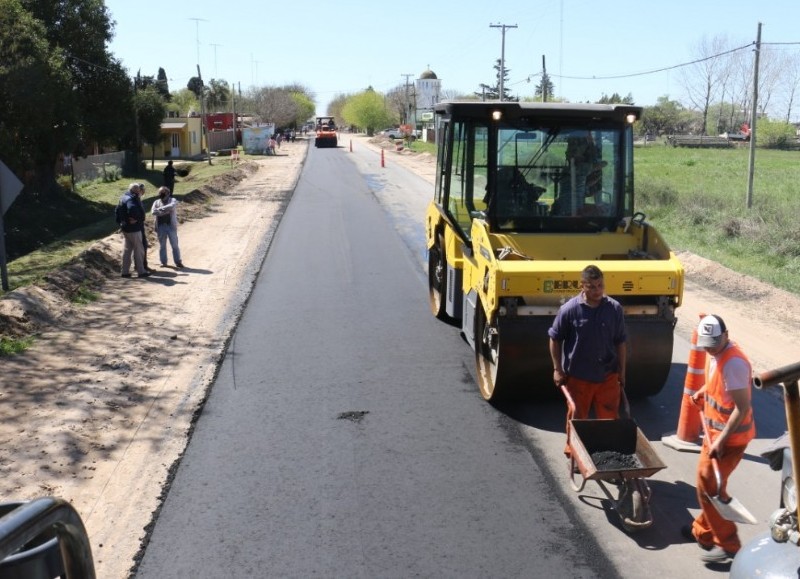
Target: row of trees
59	87
62	92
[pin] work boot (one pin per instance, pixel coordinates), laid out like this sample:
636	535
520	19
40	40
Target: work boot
716	554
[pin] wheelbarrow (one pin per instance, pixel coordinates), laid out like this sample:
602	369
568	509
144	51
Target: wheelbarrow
615	452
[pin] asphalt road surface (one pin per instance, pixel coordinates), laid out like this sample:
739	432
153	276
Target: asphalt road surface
345	437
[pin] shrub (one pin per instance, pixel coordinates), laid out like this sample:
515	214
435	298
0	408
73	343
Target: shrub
774	134
65	182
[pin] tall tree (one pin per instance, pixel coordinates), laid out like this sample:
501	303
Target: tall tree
492	91
666	117
367	111
616	99
218	95
545	90
184	102
703	80
150	111
398	101
336	106
82	30
196	85
162	84
274	105
38	118
305	108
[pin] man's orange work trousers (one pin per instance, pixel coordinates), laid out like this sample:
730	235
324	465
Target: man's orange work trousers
709	528
603	397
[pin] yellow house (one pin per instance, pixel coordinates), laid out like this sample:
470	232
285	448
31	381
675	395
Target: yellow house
180	139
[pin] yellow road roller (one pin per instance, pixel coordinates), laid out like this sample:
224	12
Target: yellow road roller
526	196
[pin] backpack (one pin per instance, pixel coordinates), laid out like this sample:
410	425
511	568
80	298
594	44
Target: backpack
121	211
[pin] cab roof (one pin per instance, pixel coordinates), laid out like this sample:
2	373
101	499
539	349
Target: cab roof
516	110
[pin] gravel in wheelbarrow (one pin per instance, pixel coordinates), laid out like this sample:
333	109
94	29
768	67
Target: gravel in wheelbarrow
612	449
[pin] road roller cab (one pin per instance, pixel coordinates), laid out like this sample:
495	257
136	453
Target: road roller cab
527	195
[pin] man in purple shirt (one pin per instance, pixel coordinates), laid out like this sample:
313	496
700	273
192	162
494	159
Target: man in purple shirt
587	346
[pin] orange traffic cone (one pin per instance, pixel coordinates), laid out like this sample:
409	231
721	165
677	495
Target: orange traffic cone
687	438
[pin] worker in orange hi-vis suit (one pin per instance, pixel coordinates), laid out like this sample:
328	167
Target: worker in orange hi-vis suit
588	349
729	425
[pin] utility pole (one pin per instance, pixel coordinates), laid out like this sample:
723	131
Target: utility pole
197	22
257	62
502	54
407	106
203	114
753	115
544	81
216	74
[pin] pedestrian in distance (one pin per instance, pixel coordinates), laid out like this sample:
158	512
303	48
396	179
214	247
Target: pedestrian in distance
588	350
145	243
727	417
130	217
165	211
169	177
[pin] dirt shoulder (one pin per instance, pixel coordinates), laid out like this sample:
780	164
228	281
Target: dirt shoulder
99	410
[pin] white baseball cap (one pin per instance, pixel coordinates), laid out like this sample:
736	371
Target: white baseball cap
710	331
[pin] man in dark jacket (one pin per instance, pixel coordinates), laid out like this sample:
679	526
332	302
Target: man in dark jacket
169	177
132	231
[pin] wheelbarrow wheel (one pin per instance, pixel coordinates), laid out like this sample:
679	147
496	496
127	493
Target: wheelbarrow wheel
632	507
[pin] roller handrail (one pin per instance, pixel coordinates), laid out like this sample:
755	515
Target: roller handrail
790	373
31	519
789	378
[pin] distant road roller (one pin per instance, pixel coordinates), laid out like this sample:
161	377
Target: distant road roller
325	133
526	196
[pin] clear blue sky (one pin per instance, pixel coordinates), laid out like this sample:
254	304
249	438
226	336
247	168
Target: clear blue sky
343	46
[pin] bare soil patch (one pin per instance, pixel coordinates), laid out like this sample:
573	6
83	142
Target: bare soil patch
100	408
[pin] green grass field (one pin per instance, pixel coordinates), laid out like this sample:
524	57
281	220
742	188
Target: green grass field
697	198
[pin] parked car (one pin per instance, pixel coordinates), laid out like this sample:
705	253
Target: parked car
393	133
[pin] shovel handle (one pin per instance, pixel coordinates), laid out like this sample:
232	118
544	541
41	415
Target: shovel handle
715	466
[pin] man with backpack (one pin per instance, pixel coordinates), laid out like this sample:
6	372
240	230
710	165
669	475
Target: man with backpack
130	217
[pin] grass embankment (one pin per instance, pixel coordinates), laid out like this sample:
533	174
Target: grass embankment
43	234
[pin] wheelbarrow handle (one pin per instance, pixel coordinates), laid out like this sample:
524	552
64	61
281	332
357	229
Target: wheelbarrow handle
568	396
624	405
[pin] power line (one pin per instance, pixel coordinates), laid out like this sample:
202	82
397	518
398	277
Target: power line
657	70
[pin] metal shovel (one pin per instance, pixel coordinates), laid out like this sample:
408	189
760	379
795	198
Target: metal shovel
732	509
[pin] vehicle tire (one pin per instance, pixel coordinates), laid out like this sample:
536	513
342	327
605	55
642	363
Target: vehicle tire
437	279
488	366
